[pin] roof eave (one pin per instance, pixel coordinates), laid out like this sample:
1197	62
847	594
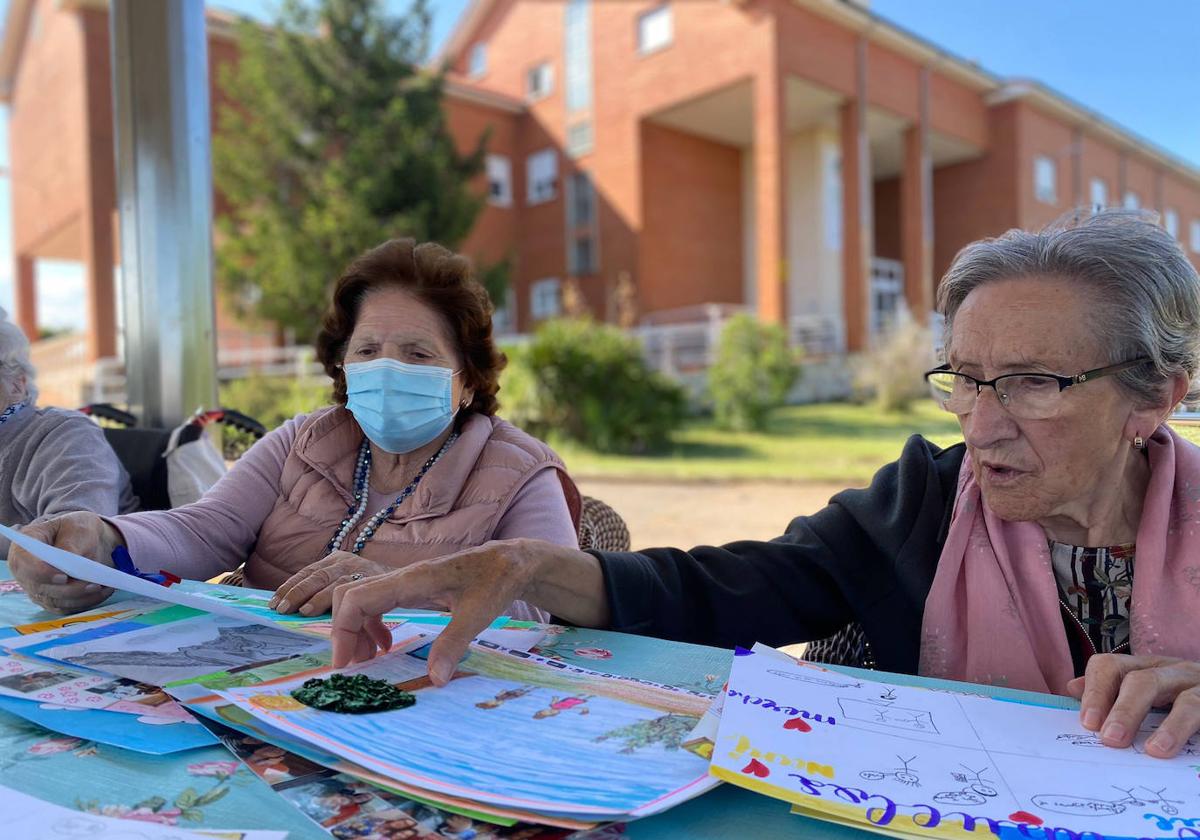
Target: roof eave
1075	114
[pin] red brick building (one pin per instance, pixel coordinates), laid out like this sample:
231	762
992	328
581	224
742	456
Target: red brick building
799	157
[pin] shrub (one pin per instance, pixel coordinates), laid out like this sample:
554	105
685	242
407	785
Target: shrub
589	383
891	370
753	374
270	400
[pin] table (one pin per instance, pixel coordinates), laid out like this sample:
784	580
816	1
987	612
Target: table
205	784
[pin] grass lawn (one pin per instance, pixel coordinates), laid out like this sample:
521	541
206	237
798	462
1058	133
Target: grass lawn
834	442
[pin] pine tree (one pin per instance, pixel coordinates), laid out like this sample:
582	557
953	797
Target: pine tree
333	140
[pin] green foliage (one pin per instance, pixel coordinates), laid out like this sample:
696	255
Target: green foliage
891	371
332	141
270	400
754	371
589	383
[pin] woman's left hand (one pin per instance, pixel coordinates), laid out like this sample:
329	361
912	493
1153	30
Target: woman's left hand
310	590
1117	692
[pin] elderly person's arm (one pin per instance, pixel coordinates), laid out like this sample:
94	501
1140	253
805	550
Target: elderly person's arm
791	589
197	541
538	511
69	468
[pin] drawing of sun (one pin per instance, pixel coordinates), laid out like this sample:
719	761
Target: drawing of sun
276	702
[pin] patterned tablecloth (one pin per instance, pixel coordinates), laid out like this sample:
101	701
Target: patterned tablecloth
208	788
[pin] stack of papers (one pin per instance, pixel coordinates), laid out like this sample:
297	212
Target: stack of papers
515	739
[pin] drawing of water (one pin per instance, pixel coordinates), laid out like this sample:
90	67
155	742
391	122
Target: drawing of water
508	751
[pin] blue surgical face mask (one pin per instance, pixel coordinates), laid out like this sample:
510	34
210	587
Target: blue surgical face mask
400	407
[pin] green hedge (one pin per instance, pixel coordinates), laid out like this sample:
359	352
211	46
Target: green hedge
753	373
589	383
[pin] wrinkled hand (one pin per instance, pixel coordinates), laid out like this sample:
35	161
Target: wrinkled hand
310	590
1117	692
82	533
476	585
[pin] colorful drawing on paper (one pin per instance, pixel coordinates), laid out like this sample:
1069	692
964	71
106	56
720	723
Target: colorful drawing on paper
181	649
916	762
559	729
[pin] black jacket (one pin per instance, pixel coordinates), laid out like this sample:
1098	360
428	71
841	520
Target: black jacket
868	556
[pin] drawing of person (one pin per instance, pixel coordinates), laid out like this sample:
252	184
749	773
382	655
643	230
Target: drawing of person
564	704
504	696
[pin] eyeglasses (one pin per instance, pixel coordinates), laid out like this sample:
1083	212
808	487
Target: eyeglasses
1028	396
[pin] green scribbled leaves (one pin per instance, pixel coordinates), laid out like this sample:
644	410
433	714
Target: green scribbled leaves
358	694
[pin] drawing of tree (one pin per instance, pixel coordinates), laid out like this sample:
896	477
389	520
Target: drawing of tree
668	730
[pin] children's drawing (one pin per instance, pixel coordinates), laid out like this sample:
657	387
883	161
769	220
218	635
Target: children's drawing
504	697
814	680
160	653
558	705
668	730
1086	739
1084	806
975	789
880	713
512	731
904	775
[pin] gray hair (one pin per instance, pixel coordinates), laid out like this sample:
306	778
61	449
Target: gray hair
15	363
1146	291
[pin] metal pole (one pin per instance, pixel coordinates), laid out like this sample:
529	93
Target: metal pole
164	189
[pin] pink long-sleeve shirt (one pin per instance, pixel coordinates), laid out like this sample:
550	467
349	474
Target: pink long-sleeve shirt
216	533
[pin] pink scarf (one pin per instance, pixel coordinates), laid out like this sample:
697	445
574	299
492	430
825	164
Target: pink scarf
993	614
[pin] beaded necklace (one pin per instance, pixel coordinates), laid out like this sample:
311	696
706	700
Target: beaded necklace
11	410
362	478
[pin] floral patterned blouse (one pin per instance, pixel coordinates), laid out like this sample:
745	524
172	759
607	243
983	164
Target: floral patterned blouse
1096	584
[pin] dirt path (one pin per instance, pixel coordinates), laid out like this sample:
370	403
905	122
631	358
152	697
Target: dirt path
684	514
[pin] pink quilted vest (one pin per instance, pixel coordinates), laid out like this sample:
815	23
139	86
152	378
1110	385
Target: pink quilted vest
457	505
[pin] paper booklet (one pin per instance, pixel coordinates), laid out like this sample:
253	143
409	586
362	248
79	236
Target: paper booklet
933	762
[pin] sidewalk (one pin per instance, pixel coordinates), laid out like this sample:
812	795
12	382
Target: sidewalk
685	514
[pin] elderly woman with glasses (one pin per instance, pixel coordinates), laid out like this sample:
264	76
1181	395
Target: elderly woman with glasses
1008	558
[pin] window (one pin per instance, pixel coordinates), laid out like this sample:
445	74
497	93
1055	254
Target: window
499	175
1195	236
1132	200
577	59
504	319
1099	189
1045	180
477	62
1171	223
541	176
581	224
539	81
580	138
545	299
654	30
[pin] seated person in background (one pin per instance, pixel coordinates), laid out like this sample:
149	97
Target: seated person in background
410	464
1007	559
52	461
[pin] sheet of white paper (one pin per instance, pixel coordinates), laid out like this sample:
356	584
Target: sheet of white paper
31	818
82	568
826	740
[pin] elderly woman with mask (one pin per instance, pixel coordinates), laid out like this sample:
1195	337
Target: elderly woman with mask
52	461
1006	559
410	462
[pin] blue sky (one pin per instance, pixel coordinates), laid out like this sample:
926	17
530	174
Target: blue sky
1137	64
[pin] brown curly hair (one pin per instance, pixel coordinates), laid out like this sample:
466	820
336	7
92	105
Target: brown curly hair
442	280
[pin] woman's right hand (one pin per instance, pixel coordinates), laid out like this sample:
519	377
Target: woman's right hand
80	532
476	586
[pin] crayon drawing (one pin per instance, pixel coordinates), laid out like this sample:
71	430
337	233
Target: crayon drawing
181	649
522	734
